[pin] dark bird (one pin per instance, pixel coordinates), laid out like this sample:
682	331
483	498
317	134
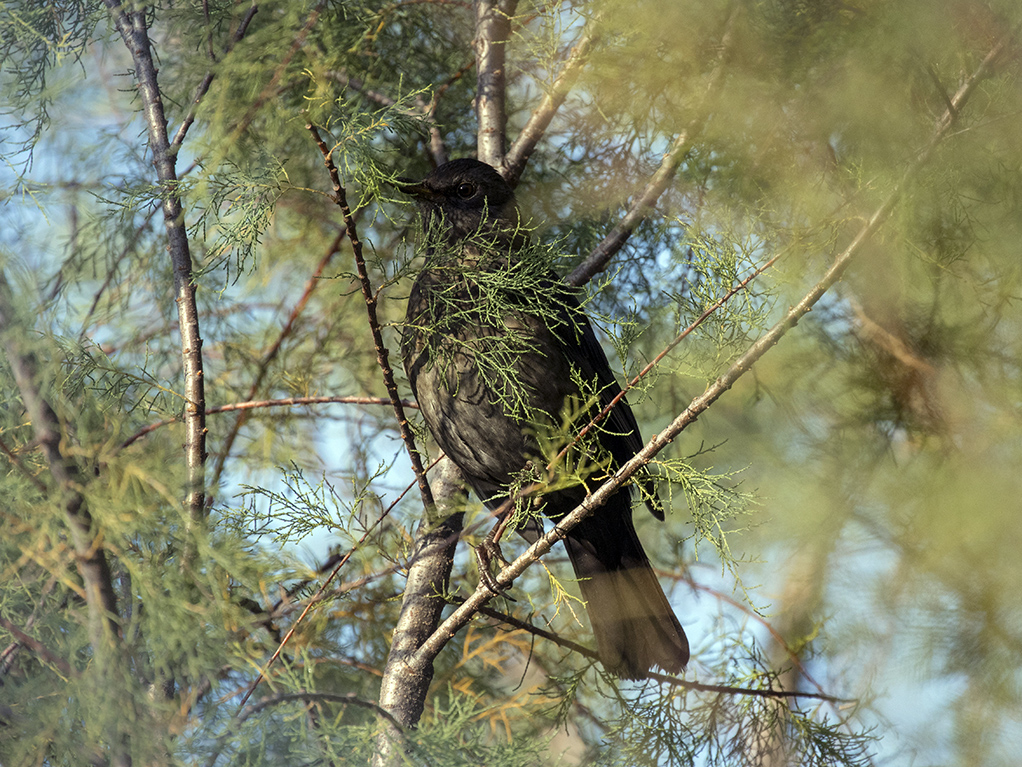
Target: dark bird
498	353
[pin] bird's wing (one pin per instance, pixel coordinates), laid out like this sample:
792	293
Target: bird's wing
619	432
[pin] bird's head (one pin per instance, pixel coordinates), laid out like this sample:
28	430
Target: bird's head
464	199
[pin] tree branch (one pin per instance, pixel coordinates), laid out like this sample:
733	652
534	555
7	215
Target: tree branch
533	131
252	405
404	688
493	29
86	538
87	542
597	261
132	27
382	353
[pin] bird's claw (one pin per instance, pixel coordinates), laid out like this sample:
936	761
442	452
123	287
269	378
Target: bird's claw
486	553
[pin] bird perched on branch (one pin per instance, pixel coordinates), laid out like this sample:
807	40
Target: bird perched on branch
500	356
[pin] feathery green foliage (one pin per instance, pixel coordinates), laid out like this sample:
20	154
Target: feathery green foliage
840	523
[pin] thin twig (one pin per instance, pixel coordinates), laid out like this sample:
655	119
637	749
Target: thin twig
382	353
270	355
759	692
313	601
531	628
287	402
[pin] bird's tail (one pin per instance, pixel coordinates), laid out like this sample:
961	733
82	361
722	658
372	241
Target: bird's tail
633	622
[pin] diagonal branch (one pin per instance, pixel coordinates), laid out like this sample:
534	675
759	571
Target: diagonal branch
37	647
382	353
463	614
203	86
534	130
501	513
597	261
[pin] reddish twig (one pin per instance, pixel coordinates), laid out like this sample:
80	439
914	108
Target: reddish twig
666	350
382	353
289	401
271	354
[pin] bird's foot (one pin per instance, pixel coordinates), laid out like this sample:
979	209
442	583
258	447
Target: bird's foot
486	553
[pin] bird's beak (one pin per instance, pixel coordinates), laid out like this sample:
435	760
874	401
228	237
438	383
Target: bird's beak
416	189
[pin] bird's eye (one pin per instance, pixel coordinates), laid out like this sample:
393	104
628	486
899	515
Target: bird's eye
466	190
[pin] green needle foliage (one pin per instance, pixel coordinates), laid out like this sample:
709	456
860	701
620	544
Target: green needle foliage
841	538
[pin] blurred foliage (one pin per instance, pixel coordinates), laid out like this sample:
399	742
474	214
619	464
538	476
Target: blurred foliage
858	488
